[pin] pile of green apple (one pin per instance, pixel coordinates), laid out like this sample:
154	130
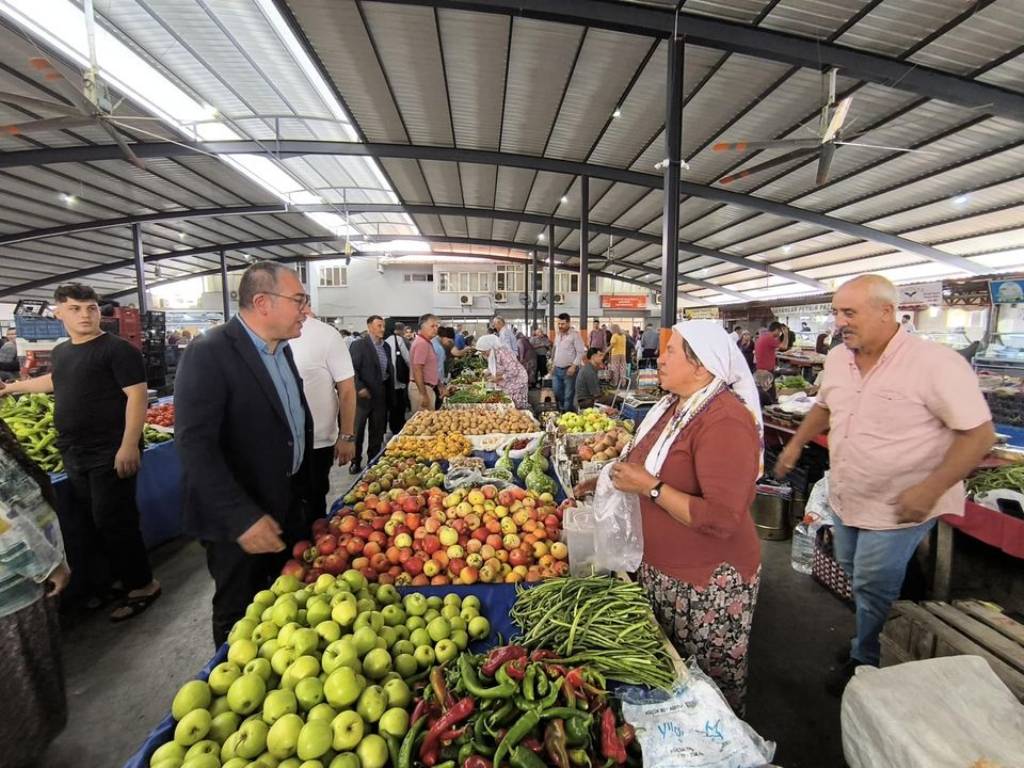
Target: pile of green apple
317	676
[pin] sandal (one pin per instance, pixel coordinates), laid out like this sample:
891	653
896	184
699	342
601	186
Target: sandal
135	606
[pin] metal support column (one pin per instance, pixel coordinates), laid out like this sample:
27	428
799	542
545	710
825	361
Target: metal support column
584	253
551	277
670	218
224	292
526	299
140	266
532	288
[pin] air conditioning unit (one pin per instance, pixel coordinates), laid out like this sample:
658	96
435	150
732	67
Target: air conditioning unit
559	298
657	298
234	295
500	297
466	300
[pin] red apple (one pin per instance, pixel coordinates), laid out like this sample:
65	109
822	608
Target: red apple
489	491
430	544
348	524
319	526
355	545
420	581
413	519
335	563
379	537
379	562
439	580
519	556
300	549
379	522
294	568
456	565
368	573
414	565
326	544
385	578
361	562
363	531
371	548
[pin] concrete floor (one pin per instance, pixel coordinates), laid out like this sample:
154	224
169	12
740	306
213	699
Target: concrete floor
121	677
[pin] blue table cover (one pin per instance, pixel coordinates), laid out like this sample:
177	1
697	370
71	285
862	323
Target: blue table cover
1016	434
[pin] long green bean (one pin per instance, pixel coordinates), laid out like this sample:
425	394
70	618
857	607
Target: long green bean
1011	478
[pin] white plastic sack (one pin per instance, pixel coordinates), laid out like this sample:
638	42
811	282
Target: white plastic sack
618	528
693	727
817	506
937	713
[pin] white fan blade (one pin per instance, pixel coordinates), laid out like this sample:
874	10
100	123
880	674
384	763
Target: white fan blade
838	118
889	149
39	104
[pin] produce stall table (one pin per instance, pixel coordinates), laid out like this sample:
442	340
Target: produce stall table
990	526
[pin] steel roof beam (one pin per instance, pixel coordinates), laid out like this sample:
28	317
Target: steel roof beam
759	42
285	149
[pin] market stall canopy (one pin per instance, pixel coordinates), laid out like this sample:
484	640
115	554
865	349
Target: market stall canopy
471	124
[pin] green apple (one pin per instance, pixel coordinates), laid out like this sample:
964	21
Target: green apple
445	651
329	631
317	610
472	601
450	611
345	613
381	643
310	692
347	729
277	704
204	747
283	737
457	623
202	761
291	762
398	693
242	651
242	630
394	722
431	614
415	604
424	656
300	669
246	694
282	659
420	637
401	632
222	676
345	760
168	751
311	764
323	583
452	599
322	711
195	694
460	638
284	637
479	628
223	725
252	738
254	611
469	614
265	630
403	646
193	727
387	594
284	584
412	623
259	667
338	654
372	752
303	595
269	648
285	611
314	740
372	703
343	595
436	602
236	762
227	749
354	579
388	635
365	639
376	663
264	597
342	688
405	664
439	629
305	641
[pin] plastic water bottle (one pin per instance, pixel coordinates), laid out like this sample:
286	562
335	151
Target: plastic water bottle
802	552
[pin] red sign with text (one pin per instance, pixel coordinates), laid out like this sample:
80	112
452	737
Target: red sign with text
629	301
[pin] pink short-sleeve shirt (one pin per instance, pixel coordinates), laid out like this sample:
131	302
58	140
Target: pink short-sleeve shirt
891	428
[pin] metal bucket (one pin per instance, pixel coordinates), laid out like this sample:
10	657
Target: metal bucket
771	517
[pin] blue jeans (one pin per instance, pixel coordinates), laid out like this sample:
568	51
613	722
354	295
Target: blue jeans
876	561
565	389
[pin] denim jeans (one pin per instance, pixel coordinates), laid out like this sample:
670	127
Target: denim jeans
565	389
876	562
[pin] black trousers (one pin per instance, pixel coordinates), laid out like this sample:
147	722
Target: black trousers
104	541
372	416
542	368
399	407
238	576
323	460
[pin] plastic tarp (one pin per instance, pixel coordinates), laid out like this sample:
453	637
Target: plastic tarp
950	712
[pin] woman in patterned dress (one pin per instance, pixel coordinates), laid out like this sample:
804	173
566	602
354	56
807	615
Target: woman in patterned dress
693	463
505	369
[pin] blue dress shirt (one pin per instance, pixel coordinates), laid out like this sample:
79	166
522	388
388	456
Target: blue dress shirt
441	354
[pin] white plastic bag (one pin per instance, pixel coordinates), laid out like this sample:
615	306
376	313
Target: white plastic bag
618	528
817	513
692	727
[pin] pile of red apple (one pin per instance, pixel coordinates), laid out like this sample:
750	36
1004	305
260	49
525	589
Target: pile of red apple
422	537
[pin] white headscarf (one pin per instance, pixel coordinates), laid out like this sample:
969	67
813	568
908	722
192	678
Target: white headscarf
489	343
720	355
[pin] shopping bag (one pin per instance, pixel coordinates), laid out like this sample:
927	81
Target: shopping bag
618	528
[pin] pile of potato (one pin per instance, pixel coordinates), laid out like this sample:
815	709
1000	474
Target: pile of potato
470	421
429	448
606	446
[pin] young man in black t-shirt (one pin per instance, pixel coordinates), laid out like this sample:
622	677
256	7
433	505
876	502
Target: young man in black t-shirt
99	387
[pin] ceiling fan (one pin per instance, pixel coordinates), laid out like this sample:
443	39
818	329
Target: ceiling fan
89	107
829	138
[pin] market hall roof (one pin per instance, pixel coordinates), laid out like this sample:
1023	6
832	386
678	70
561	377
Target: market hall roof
485	114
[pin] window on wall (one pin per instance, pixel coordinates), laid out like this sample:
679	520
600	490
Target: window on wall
333	277
509	278
444	282
567	282
302	269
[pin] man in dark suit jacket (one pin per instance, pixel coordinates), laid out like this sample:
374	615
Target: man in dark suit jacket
374	388
245	436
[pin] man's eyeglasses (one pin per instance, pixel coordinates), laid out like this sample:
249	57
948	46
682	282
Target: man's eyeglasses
302	300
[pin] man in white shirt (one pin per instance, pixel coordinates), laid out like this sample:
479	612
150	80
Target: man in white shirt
505	334
908	324
398	350
324	363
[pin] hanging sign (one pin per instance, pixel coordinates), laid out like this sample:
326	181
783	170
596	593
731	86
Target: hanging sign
1007	291
701	313
625	301
921	294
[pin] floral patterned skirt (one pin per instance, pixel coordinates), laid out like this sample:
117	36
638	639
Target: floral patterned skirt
710	622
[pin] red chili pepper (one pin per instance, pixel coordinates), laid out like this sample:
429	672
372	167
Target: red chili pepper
432	742
611	746
533	744
477	761
556	670
454	734
516	668
421	709
499	656
439	689
574	682
540	654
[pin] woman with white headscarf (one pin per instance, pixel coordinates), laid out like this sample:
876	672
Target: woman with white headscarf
693	463
505	369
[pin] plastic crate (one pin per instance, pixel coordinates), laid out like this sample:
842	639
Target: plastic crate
826	570
32	328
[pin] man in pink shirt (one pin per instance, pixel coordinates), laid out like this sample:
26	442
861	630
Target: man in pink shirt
424	366
907	422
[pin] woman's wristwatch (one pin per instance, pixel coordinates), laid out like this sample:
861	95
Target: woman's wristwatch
655	493
346	438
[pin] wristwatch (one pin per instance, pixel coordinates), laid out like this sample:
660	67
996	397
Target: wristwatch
655	492
346	438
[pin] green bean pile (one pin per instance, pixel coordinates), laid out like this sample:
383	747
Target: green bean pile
602	622
1011	478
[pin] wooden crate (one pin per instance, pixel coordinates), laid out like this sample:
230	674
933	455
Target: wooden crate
932	629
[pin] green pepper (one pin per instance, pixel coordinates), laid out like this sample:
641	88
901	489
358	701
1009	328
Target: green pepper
542	684
565	713
579	757
555	743
529	680
515	734
394	747
577	730
405	753
472	683
496	719
502	677
524	758
552	695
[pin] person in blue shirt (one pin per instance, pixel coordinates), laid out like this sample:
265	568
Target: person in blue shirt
460	338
